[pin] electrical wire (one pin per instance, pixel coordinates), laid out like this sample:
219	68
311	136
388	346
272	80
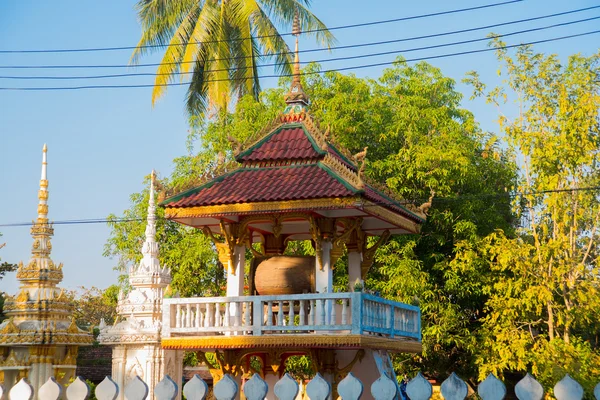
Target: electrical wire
442	34
356	67
344	58
376	204
363	24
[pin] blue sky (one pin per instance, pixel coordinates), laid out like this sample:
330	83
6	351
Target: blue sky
103	142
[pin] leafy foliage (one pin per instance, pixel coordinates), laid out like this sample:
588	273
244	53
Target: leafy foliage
91	305
543	309
420	141
187	252
219	45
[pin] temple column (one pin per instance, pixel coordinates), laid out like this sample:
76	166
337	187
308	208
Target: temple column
235	279
354	272
324	272
235	272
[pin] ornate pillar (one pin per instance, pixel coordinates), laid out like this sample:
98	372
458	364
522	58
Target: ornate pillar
324	272
235	272
355	257
323	232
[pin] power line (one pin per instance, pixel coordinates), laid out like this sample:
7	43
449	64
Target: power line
305	62
363	24
376	204
448	33
386	63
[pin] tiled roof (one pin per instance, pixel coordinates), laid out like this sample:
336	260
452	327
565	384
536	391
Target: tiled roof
265	184
379	198
338	155
288	143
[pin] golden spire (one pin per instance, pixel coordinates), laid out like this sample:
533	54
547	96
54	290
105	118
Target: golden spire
41	230
296	94
43	192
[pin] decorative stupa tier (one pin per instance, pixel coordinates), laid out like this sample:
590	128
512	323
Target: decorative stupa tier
136	335
140	311
40	338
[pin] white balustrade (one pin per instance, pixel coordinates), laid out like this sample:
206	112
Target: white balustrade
350	388
356	313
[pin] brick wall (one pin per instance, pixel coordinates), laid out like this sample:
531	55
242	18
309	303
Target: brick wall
94	362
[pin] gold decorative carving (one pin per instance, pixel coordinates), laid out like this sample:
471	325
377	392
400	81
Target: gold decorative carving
361	160
292	342
273	206
9	328
393	217
368	254
343	171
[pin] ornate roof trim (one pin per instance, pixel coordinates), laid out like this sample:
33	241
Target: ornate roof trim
265	138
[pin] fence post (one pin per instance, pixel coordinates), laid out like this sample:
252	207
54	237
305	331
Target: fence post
256	388
454	388
136	389
350	388
51	390
226	388
318	388
166	389
491	388
286	388
419	388
21	391
529	389
568	389
107	389
78	390
384	388
195	389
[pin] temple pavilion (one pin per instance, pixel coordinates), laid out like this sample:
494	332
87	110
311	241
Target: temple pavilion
39	339
293	183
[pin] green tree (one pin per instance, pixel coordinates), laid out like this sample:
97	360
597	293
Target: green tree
91	305
4	269
543	314
188	253
420	140
220	44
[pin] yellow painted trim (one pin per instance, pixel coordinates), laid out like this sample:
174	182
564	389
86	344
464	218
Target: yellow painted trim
291	341
264	206
392	217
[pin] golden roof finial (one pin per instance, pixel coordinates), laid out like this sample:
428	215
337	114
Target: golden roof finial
296	94
43	192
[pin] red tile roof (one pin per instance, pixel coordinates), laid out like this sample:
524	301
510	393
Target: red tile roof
264	184
285	144
380	199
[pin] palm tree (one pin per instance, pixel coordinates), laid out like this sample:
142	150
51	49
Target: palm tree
220	43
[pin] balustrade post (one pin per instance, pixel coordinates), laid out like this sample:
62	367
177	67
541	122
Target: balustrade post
246	306
257	316
291	314
357	312
188	315
166	319
302	313
344	312
208	316
280	314
390	322
269	313
333	316
178	316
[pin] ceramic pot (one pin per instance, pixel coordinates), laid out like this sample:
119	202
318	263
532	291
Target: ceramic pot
285	275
